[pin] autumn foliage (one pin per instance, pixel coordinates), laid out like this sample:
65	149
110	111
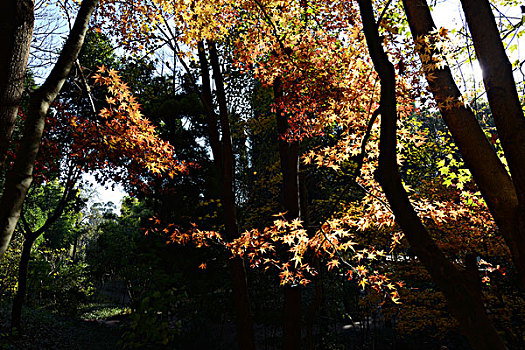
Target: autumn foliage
316	70
317	50
119	144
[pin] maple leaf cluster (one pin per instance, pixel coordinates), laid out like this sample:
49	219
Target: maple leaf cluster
130	132
262	249
119	145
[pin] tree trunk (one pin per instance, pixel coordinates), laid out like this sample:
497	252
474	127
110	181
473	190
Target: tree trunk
245	336
292	317
30	237
74	249
488	172
20	177
16	32
18	301
507	113
461	288
223	158
289	157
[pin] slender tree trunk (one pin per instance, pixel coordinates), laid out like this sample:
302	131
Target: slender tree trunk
488	172
16	32
74	252
289	157
506	110
241	296
292	318
30	237
223	158
18	301
461	287
245	336
20	177
315	304
500	86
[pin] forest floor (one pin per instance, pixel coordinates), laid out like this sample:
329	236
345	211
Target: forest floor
100	326
96	327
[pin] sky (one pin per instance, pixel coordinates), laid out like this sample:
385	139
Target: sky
104	194
448	14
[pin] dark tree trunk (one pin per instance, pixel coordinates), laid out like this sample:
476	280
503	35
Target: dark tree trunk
16	32
30	237
507	113
245	336
461	287
490	175
292	318
18	301
20	177
223	158
289	157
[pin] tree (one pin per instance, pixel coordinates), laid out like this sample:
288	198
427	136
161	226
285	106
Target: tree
122	138
499	188
311	83
30	235
16	28
455	282
310	48
224	161
19	178
289	159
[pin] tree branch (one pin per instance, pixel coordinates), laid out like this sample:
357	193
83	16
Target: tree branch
19	179
460	287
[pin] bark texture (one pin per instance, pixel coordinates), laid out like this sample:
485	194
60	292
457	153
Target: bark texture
16	32
19	178
461	287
